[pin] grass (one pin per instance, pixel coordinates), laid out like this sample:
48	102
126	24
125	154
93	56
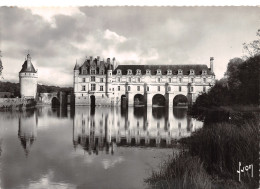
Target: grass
213	155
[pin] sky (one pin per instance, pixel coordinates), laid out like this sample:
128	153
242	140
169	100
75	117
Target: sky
57	37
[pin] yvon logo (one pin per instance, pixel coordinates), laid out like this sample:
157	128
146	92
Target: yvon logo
244	169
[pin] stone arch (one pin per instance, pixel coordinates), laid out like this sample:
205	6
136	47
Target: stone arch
159	100
139	100
180	100
55	102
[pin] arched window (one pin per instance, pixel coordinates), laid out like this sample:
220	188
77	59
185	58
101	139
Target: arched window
159	71
179	71
138	71
204	72
169	72
129	71
148	71
192	72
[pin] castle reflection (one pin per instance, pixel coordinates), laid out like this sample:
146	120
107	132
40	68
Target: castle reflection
103	129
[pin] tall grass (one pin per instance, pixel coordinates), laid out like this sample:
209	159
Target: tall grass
216	150
180	172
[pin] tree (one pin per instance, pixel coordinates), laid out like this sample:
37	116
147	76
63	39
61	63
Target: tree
253	48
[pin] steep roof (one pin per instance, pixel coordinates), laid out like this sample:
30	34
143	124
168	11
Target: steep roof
174	68
26	68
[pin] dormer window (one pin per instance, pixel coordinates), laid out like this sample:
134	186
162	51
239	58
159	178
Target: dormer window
138	72
169	72
148	71
159	71
192	72
118	72
179	71
129	72
204	72
93	71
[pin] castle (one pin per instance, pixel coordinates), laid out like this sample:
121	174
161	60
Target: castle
98	83
28	79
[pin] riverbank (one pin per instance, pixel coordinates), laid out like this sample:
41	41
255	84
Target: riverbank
16	104
210	156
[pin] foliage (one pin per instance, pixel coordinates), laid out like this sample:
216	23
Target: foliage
221	146
253	48
239	87
181	172
15	88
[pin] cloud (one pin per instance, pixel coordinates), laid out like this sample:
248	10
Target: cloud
56	37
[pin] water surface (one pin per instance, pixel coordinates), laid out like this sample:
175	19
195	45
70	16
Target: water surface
87	148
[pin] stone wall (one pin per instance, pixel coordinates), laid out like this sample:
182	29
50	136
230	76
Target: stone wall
16	103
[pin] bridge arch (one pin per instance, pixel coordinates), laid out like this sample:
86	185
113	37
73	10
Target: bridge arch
139	100
180	100
159	100
55	102
123	101
92	101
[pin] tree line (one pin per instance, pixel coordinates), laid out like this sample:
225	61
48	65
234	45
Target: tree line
240	85
14	88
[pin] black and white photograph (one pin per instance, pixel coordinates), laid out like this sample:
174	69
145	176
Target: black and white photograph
129	97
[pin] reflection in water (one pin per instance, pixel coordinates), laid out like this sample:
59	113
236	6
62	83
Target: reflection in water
102	129
27	131
57	144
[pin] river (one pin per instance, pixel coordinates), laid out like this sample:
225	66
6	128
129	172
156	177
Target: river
87	148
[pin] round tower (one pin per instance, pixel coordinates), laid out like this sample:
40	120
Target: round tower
28	79
76	76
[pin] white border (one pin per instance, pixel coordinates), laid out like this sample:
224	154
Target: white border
63	3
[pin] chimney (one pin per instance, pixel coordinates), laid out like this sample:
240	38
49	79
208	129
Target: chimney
108	60
211	64
90	58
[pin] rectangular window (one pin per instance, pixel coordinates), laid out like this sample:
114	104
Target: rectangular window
159	79
191	89
101	88
93	87
204	80
147	88
118	88
83	80
204	89
118	79
92	78
192	80
84	72
83	88
180	80
129	88
93	72
158	88
139	80
170	80
169	88
101	80
179	88
138	88
129	79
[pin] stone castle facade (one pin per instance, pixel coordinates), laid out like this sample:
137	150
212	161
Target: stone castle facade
28	79
99	82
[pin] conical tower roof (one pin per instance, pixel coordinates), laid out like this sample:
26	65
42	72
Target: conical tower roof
76	66
28	66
